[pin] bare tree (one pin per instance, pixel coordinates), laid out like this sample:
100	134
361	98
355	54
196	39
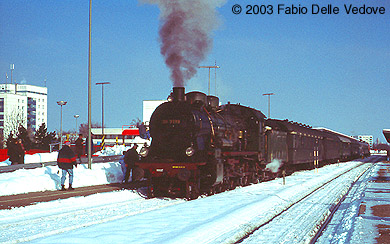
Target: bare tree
83	129
12	121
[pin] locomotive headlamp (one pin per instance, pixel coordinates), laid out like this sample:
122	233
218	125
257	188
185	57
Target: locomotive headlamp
190	151
144	152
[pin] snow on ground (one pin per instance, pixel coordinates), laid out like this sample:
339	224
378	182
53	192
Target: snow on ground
49	177
125	217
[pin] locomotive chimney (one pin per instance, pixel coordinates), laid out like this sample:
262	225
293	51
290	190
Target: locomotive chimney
178	94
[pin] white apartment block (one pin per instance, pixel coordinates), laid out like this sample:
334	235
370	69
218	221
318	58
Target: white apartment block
28	103
367	138
148	108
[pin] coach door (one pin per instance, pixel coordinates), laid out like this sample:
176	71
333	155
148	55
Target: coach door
316	153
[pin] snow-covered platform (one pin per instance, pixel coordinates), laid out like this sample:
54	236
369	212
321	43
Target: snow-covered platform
364	216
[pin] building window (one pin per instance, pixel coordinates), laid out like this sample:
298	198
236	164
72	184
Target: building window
1	104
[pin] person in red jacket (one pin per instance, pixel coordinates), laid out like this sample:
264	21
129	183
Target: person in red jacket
65	161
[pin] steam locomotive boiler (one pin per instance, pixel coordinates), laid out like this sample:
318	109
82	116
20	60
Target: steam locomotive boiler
198	146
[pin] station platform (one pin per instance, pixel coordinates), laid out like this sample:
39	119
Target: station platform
364	215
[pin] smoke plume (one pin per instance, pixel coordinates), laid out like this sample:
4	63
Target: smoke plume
185	34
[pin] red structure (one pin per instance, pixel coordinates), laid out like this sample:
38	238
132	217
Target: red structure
4	156
130	130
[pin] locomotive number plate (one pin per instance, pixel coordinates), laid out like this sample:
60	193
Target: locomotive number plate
171	121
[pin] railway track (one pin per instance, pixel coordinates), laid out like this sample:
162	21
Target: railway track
20	200
301	214
46	223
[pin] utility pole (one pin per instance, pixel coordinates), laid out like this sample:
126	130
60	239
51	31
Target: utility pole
89	139
6	81
103	83
269	102
212	67
11	67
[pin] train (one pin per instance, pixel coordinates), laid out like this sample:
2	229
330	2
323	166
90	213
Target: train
201	147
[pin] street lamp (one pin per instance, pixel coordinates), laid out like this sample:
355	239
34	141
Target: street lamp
103	83
61	103
76	116
269	102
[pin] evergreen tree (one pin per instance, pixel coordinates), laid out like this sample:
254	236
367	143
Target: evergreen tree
40	136
43	138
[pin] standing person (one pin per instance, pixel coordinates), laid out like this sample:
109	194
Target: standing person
66	159
123	165
142	130
20	151
86	146
79	147
13	156
130	158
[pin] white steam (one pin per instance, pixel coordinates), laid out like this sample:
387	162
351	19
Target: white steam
274	165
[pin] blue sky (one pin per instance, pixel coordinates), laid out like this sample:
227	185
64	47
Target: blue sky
325	70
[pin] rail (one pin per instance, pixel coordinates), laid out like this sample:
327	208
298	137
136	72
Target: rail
301	200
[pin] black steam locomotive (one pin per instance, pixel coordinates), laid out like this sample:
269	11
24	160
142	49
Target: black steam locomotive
200	147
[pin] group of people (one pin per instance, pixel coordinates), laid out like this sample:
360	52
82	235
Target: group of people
67	159
16	151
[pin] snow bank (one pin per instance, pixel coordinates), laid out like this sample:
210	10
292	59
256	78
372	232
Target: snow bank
49	177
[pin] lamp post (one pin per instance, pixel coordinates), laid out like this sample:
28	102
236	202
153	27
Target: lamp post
103	83
269	102
76	116
61	103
